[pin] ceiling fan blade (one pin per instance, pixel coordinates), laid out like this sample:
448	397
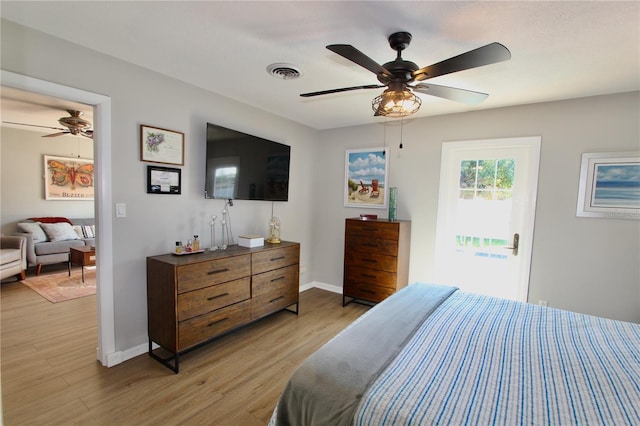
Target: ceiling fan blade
354	55
53	135
34	125
87	133
344	89
485	55
464	96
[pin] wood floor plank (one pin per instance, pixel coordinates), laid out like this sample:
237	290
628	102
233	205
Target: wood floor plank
50	374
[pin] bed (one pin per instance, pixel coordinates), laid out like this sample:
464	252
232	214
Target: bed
437	355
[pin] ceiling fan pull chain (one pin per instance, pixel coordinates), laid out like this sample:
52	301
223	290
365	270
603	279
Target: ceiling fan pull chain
401	127
384	141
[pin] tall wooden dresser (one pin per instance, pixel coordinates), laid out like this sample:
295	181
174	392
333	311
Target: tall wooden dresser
376	258
191	299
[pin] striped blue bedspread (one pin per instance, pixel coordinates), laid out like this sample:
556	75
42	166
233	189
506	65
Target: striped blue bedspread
479	360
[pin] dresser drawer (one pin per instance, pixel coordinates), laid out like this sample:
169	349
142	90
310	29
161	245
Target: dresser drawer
372	245
374	229
201	328
274	259
371	260
198	302
274	290
370	292
205	274
365	276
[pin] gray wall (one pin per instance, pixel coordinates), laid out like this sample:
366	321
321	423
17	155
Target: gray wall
22	176
154	222
582	264
588	265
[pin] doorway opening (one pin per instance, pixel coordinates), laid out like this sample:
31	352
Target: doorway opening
102	161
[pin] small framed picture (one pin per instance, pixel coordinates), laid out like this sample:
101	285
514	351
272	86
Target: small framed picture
163	180
161	145
609	185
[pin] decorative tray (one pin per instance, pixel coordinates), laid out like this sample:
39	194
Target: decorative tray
188	252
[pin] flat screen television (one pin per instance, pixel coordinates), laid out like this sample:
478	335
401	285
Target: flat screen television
245	167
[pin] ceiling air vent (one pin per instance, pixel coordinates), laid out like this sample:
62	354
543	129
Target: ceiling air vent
284	71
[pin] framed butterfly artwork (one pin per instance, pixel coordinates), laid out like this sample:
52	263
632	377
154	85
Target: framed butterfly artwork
69	179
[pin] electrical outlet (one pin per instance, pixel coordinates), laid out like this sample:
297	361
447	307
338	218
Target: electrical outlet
542	302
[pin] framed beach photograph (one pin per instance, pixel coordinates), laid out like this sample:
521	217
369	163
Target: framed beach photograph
161	145
68	178
610	185
366	175
163	180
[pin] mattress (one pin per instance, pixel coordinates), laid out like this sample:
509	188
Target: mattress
437	355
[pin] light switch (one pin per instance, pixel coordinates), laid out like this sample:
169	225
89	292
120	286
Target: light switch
121	210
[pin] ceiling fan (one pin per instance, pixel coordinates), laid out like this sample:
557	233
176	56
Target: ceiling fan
74	125
398	100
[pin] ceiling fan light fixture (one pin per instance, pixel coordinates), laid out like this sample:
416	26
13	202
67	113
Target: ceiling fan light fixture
396	103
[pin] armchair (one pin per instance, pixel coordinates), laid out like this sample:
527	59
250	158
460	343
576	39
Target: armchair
13	257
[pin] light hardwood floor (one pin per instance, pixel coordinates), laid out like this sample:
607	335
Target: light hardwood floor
50	375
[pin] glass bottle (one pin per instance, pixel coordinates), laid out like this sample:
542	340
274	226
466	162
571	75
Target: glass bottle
196	243
178	247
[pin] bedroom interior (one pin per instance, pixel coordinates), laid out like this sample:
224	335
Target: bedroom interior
586	265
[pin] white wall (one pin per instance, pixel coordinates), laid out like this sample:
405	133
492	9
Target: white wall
22	176
582	264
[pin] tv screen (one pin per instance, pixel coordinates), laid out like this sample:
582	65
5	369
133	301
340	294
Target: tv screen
245	167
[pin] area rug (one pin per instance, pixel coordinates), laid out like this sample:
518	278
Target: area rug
59	287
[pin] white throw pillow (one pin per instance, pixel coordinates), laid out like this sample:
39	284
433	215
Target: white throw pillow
34	229
78	230
89	231
61	231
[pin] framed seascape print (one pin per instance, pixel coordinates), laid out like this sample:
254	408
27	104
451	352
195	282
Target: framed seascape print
67	178
366	172
610	185
161	145
163	180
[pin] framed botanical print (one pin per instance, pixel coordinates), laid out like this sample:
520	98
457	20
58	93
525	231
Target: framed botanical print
161	145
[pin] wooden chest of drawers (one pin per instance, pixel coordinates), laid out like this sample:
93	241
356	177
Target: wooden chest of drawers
376	258
192	299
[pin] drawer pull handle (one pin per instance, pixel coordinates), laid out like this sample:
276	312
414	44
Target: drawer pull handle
369	261
364	290
370	245
217	296
277	279
369	276
218	271
276	299
276	258
217	322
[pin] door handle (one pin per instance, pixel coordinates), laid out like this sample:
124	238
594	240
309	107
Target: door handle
514	246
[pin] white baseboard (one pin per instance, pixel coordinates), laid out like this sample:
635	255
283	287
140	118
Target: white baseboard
119	357
323	286
116	358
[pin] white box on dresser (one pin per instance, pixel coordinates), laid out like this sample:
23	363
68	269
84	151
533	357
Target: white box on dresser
250	241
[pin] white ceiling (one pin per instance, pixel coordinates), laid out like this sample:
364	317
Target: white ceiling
559	50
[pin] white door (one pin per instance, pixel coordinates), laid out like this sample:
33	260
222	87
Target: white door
486	210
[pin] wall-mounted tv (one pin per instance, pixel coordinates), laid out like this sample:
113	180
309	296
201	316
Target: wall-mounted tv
245	167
